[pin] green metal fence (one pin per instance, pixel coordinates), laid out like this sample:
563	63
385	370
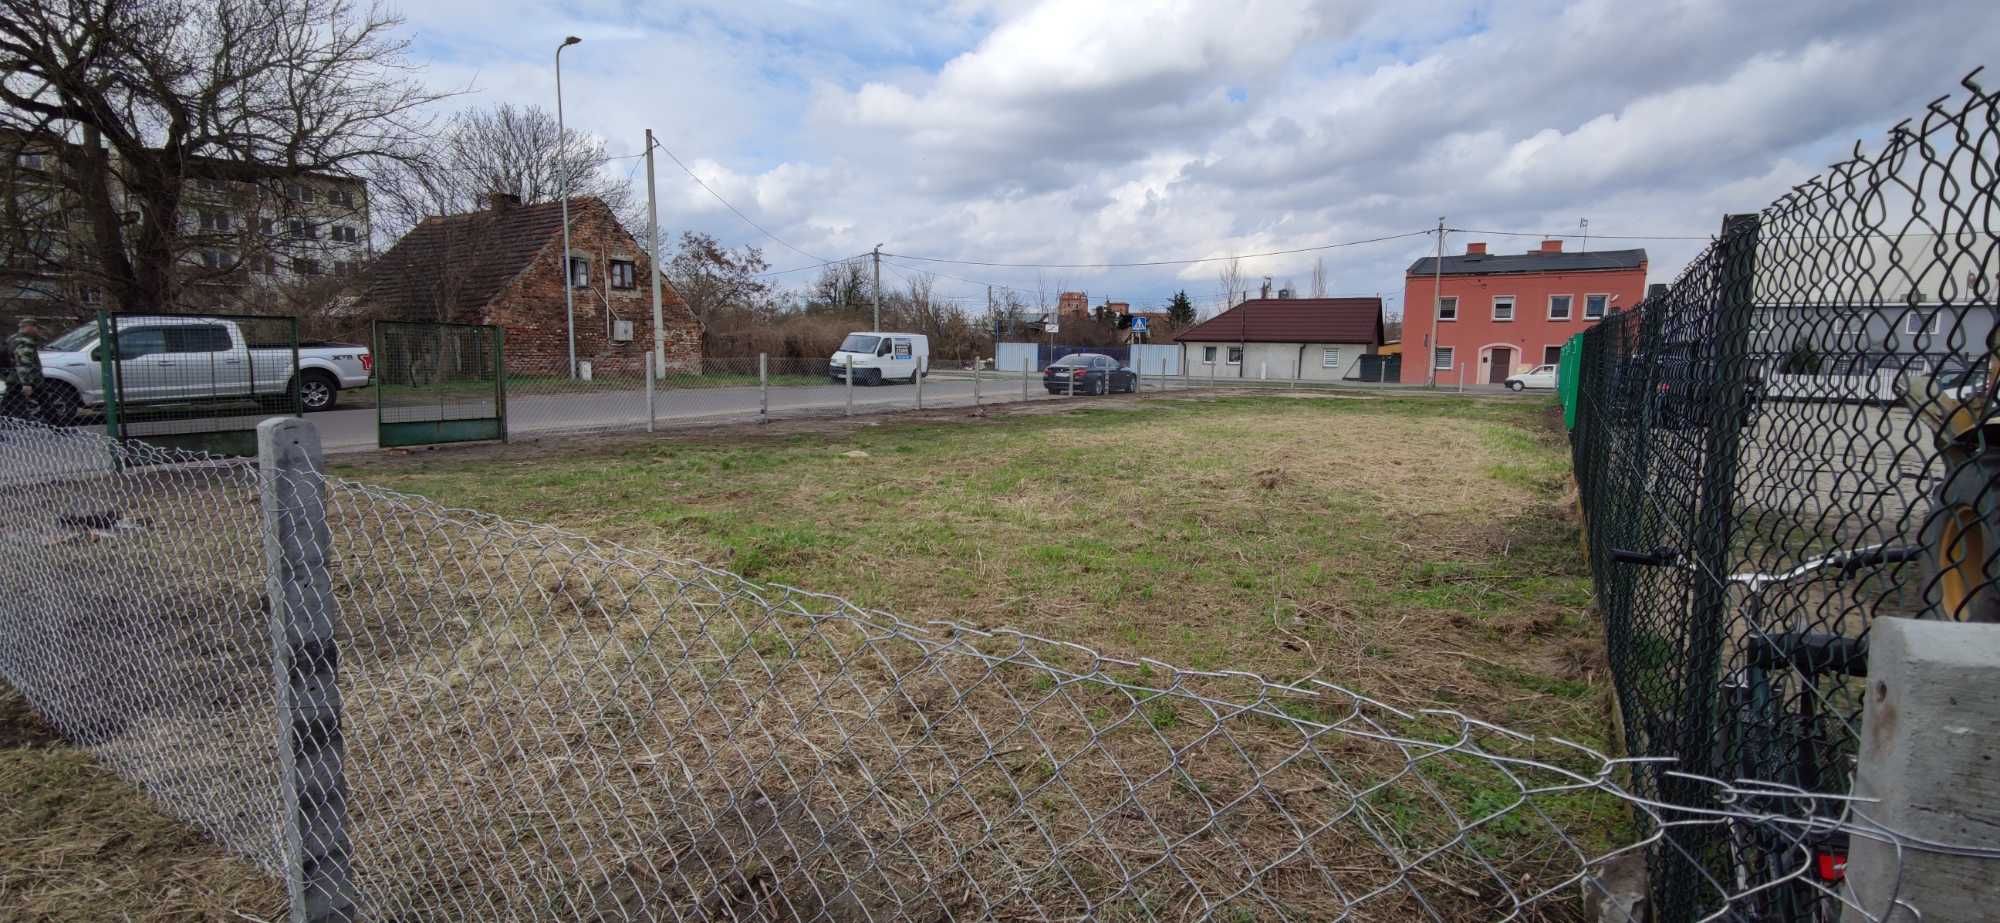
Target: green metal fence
196	381
439	383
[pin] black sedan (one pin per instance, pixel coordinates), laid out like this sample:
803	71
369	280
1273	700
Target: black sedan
1088	373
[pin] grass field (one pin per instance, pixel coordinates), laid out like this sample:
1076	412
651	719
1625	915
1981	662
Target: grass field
1414	549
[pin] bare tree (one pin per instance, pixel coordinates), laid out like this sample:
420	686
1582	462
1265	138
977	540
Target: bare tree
1319	278
133	100
518	150
1229	281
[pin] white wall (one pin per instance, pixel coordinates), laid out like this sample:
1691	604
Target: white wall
1276	361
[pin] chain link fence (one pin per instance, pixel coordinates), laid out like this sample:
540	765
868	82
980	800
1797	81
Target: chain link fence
412	712
1794	439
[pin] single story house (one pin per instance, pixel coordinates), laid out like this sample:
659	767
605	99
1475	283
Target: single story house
1318	339
504	266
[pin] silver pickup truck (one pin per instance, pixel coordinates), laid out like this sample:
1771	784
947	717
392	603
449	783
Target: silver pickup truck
170	359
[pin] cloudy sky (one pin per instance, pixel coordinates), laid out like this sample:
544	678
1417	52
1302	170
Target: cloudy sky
1081	132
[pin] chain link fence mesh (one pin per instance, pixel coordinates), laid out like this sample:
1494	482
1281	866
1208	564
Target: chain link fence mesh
1794	439
537	725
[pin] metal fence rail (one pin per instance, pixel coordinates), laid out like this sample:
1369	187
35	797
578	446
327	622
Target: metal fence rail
1795	439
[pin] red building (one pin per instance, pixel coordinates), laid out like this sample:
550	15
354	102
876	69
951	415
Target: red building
1501	314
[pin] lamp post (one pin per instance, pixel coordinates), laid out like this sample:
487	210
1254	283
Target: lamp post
562	138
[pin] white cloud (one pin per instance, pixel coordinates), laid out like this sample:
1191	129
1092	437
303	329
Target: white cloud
1081	132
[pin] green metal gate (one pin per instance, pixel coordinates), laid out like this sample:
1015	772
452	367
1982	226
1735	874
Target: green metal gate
439	383
196	381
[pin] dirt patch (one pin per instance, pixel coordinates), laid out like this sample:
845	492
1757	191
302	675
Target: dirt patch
20	727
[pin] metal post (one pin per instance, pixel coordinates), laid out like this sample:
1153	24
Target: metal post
1437	304
499	377
850	386
653	259
975	381
305	665
917	379
1027	375
1138	377
1693	728
652	412
763	387
569	295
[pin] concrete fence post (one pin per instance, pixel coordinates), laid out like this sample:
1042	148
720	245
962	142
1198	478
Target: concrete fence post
1929	734
917	378
1138	377
305	665
763	387
1027	376
975	381
850	387
652	404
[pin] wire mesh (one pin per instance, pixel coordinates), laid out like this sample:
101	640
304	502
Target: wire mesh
438	382
537	725
1794	439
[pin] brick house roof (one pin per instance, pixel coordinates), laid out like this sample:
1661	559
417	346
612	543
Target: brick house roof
1478	264
1292	320
450	267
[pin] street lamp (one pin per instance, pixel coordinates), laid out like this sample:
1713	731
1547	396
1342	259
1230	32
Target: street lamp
562	137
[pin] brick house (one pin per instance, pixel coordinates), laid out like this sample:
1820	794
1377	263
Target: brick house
1498	314
503	266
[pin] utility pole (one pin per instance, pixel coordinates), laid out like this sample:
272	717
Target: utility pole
653	241
1437	304
568	283
1584	223
878	288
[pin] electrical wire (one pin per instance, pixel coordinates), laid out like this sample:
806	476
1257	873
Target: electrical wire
1593	235
738	212
1184	262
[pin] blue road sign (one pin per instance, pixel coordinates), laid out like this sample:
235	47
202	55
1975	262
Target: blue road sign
1139	324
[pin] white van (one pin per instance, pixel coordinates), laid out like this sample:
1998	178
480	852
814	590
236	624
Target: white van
878	357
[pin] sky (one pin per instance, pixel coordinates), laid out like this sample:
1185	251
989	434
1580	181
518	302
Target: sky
1082	132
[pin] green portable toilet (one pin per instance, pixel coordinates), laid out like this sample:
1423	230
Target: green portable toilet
1566	376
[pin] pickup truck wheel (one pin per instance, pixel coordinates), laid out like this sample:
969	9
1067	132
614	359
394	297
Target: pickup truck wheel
317	391
60	403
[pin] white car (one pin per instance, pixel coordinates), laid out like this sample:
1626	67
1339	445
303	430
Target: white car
172	359
1542	377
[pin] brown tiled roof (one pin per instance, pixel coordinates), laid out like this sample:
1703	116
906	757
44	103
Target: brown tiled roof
449	267
1292	320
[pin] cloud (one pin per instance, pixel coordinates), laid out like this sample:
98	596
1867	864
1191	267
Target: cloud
1085	132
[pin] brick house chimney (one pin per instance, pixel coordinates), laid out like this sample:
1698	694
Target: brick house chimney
1476	249
1552	245
501	201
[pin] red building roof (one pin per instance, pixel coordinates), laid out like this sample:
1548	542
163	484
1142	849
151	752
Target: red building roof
1292	320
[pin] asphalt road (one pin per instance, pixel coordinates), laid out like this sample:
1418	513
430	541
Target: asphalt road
597	408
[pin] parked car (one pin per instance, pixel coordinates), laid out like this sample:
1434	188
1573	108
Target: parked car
172	359
1541	377
1088	373
876	357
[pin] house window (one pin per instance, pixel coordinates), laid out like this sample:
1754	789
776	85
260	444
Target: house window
300	194
624	274
214	220
1559	306
341	267
1552	355
1443	360
301	229
29	161
264	263
305	266
267	226
1503	307
579	272
217	259
1208	355
1594	306
90	294
346	233
1448	308
1329	358
1921	322
1235	355
342	197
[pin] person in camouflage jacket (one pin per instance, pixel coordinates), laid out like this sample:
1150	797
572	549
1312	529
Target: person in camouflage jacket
25	347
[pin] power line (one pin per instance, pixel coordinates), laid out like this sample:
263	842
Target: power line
738	212
1593	235
1142	263
780	272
